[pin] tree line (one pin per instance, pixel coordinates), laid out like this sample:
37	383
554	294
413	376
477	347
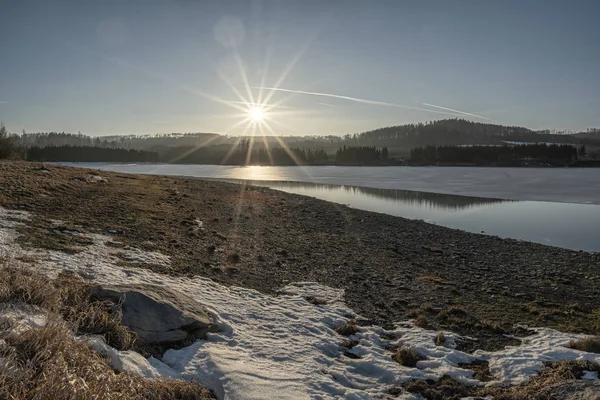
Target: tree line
244	153
495	154
361	155
399	139
89	154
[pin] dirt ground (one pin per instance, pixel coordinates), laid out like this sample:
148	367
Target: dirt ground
391	268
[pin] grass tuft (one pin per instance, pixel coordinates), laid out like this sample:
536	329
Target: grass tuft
50	363
317	301
347	328
591	344
407	356
439	339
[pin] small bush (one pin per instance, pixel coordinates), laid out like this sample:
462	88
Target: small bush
591	344
407	356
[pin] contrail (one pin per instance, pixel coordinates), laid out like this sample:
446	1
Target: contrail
4	102
456	111
356	99
327	104
254	104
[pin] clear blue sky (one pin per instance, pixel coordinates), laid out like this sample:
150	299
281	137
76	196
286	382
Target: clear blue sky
106	67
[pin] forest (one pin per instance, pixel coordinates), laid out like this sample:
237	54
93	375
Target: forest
398	139
484	155
366	148
89	154
361	155
244	153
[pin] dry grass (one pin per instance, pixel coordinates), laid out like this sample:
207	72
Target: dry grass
538	387
317	301
68	296
422	322
541	387
481	370
407	356
347	328
49	363
591	344
439	339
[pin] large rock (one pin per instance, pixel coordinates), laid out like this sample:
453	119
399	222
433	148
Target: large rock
158	315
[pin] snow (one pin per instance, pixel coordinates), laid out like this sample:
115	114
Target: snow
283	347
590	375
21	317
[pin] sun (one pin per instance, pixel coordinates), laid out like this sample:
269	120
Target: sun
256	114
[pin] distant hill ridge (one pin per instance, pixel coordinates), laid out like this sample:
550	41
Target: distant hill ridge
399	139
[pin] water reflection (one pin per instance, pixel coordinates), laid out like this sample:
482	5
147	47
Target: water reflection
572	226
404	197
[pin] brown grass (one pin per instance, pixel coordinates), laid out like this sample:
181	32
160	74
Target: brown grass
422	322
481	370
591	344
439	339
49	363
317	301
537	387
407	356
347	328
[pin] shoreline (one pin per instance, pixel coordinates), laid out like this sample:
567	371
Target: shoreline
390	268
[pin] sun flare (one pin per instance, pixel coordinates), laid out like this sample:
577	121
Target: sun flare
256	114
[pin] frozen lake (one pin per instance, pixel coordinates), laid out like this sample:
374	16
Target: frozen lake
556	207
570	185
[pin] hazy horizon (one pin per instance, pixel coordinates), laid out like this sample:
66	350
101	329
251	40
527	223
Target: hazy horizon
325	67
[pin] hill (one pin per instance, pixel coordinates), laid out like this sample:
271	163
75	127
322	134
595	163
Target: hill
399	139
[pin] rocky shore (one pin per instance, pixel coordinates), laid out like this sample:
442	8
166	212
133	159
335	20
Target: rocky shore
391	268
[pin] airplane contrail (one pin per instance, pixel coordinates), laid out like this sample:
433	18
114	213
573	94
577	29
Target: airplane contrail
254	104
356	99
456	111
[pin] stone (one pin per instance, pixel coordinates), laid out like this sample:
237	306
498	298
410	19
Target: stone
159	316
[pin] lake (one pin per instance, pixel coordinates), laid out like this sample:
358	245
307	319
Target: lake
507	202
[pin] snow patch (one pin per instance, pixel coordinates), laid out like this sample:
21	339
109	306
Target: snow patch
283	347
590	375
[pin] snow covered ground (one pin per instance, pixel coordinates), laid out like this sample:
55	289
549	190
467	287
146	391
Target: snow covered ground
567	185
283	347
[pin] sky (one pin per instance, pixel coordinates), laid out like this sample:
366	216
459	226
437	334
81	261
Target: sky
340	66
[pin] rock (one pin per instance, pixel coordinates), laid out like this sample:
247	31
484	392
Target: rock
159	316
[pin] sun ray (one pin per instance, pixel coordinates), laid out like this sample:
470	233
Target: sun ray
233	88
240	64
237	142
250	145
263	78
190	151
291	66
267	149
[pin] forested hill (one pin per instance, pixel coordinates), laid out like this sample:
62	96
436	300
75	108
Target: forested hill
451	132
398	139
